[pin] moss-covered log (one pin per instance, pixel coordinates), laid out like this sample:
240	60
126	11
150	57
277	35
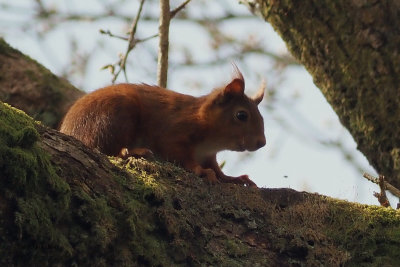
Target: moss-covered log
62	204
352	50
29	86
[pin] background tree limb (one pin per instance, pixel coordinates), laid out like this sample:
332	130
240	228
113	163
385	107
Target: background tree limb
352	50
29	86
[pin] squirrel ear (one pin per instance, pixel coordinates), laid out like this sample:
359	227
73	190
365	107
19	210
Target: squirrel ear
235	87
260	93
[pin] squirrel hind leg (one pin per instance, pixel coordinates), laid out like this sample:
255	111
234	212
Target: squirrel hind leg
136	153
209	176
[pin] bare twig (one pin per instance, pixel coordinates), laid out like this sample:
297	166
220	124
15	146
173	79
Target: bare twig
107	32
165	17
383	186
147	38
42	9
388	186
137	41
131	44
162	66
179	8
382	198
61	16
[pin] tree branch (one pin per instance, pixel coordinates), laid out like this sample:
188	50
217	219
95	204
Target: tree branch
382	198
352	60
40	94
162	64
388	186
131	44
107	32
179	8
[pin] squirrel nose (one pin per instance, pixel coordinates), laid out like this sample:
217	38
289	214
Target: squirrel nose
261	142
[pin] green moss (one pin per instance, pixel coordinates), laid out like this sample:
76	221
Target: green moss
235	248
31	75
5	49
142	221
48	222
27	181
371	234
156	214
395	154
27	137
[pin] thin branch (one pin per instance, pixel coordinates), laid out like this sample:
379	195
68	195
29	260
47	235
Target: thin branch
388	186
107	32
382	198
137	41
147	38
236	55
42	9
134	26
131	44
179	8
162	64
65	17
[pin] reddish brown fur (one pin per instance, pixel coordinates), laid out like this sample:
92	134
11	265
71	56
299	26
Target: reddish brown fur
137	119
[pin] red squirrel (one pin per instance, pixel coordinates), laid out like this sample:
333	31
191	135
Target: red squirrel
139	120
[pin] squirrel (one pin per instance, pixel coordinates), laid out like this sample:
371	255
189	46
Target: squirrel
138	120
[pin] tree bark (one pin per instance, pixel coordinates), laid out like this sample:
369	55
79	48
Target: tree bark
31	87
163	45
64	204
352	50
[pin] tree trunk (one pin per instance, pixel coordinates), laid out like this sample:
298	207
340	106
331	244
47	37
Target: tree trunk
27	85
352	50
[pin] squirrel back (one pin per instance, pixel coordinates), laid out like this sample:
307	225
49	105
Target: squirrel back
176	127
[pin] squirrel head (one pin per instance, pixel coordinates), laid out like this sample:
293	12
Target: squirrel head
233	119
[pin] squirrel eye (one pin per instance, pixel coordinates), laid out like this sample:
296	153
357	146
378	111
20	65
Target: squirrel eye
242	115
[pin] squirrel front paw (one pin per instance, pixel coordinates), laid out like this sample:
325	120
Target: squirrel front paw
245	180
136	153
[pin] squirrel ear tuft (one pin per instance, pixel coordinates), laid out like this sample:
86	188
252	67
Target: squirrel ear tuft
260	93
236	86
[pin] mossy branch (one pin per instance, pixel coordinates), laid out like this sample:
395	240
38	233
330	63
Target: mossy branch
26	84
353	57
62	202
